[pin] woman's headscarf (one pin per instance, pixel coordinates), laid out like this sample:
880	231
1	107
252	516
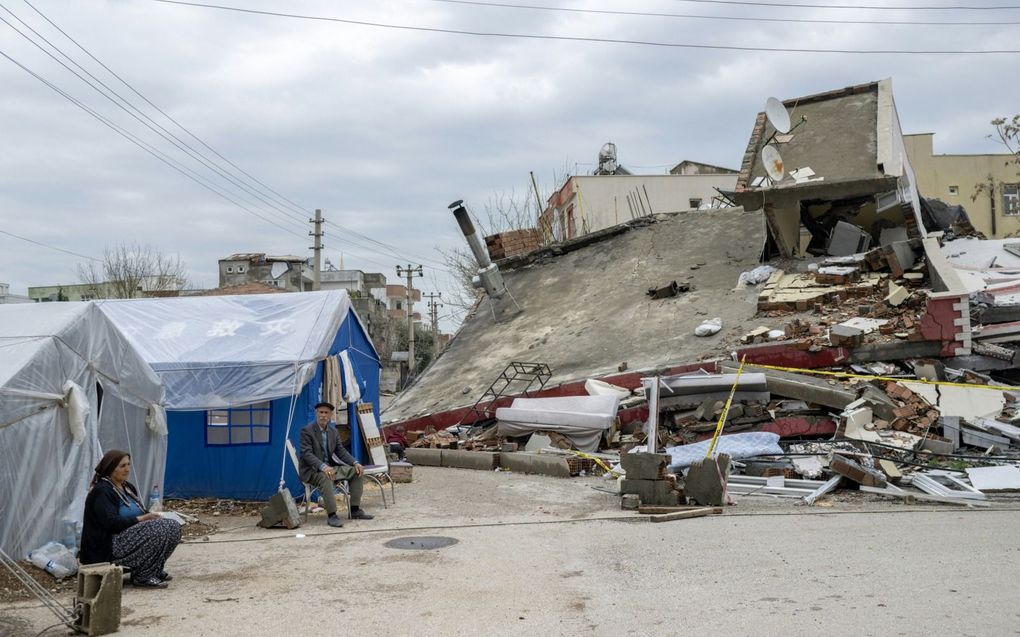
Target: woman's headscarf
106	466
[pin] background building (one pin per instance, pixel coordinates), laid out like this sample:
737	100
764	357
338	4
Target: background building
956	179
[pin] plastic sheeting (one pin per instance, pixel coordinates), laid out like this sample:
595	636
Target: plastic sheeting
71	387
226	351
581	419
744	445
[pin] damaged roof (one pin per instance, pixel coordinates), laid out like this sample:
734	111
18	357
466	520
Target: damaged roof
586	308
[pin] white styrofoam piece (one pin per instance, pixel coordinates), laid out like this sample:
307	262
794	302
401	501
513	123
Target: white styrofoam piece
1004	478
960	401
601	388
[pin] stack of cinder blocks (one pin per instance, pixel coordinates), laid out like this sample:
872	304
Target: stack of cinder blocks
646	477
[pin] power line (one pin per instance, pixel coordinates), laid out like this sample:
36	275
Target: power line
173	139
45	245
653	14
141	144
299	212
852	6
164	114
565	38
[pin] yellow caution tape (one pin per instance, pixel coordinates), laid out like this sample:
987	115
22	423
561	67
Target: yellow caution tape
726	410
893	379
599	461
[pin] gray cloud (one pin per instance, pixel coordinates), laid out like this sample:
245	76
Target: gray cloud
382	128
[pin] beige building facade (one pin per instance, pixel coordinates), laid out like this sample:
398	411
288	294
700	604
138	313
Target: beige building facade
955	179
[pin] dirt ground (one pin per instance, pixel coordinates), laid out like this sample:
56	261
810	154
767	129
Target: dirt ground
533	555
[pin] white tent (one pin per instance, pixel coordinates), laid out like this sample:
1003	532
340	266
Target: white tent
71	388
224	351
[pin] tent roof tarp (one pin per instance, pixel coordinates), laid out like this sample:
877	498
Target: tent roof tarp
224	351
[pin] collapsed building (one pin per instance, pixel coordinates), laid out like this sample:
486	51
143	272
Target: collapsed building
849	327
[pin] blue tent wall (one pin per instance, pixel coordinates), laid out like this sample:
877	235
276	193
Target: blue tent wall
252	472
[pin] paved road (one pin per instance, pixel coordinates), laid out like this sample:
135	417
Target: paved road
540	556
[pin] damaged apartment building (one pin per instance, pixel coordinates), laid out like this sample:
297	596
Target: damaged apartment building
875	334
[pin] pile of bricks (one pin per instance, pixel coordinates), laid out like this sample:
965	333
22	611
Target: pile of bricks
912	413
647	478
512	243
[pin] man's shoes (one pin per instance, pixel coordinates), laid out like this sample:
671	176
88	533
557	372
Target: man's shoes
334	520
152	582
166	577
359	514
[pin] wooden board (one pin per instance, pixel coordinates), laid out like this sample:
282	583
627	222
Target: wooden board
682	515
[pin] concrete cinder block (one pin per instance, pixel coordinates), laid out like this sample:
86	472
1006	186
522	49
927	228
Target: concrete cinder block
545	464
281	509
425	457
655	492
705	482
98	598
458	459
644	466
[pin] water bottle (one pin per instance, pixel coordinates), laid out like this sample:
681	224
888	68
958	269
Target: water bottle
54	559
155	505
70	539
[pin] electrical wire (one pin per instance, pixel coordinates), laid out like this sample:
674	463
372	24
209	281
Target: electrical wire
141	144
653	14
134	112
44	245
296	212
162	112
565	38
748	3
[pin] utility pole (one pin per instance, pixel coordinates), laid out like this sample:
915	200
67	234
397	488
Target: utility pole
317	248
409	272
434	315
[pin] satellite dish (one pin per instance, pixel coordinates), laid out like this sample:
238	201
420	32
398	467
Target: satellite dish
773	163
778	115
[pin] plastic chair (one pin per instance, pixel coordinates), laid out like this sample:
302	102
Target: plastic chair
379	470
340	485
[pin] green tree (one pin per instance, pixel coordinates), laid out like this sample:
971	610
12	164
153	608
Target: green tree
424	346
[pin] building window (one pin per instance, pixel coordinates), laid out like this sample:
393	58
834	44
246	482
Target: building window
230	269
1010	195
694	203
240	269
400	306
238	425
954	190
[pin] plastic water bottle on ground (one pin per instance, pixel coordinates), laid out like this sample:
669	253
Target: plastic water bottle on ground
55	559
155	504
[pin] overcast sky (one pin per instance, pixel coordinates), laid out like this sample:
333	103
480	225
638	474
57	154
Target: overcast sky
382	128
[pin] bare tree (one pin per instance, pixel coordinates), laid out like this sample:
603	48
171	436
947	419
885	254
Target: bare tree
128	271
1008	133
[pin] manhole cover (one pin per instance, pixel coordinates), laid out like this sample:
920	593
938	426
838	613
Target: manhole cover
421	543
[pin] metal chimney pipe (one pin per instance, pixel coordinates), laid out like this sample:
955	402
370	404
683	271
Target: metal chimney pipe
468	228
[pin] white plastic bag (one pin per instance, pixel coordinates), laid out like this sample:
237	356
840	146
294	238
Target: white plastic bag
708	327
55	559
755	276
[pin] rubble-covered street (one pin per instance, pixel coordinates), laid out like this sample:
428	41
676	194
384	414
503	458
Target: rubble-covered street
541	555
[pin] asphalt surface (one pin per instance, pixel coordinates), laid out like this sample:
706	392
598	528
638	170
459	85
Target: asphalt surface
539	556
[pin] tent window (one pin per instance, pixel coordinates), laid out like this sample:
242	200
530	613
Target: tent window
239	425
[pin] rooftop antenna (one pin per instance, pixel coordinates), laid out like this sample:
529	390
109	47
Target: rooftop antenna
773	163
771	159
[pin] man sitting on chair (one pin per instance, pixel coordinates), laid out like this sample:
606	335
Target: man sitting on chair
319	445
